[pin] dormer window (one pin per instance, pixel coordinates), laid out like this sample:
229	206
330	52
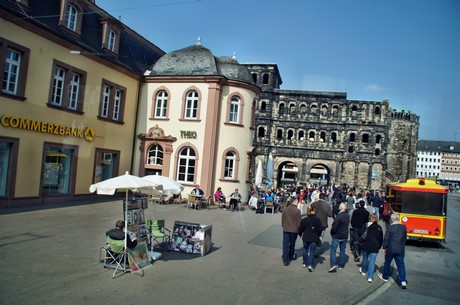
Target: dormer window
111	31
70	17
111	40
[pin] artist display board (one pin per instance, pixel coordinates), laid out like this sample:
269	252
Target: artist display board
192	238
139	257
136	218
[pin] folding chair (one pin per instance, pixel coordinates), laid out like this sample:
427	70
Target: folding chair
159	234
115	256
191	201
270	204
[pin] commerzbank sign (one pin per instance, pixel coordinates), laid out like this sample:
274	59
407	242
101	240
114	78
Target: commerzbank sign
45	127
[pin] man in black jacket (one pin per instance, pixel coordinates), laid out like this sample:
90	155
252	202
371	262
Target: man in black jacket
394	244
119	234
339	233
359	218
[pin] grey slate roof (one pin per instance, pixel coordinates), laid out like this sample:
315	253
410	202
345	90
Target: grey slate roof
438	146
135	52
197	60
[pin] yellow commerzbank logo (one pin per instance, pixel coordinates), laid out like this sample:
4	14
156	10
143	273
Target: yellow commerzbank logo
44	127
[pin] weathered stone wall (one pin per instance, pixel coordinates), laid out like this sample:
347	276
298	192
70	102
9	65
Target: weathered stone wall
360	143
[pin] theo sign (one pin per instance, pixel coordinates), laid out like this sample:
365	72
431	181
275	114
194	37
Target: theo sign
187	134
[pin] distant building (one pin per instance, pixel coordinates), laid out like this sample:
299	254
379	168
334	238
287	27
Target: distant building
322	137
69	98
440	159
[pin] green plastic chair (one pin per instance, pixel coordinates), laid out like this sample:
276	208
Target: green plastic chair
116	256
160	235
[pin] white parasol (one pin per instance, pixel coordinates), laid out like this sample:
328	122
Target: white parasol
125	183
170	186
258	180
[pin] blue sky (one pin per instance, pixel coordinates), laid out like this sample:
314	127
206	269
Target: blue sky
406	51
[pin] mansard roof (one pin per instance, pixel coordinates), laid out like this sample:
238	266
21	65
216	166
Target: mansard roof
135	53
196	60
438	146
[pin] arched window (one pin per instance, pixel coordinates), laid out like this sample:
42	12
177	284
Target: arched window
333	137
292	109
155	155
290	134
324	109
281	109
303	109
378	138
301	135
377	152
263	106
352	137
377	111
279	134
234	109
335	110
161	104
313	108
354	109
229	167
191	105
265	79
351	149
186	165
322	136
254	77
365	138
261	132
311	136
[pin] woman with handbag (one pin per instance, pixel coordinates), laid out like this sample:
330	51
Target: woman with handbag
370	242
310	230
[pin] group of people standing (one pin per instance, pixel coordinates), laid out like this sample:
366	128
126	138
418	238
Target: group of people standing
354	225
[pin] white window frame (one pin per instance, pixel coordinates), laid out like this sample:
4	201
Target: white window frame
155	154
105	101
161	104
234	110
229	166
186	169
11	72
58	86
71	17
111	40
74	90
191	105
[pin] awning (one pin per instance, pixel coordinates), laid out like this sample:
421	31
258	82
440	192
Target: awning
322	171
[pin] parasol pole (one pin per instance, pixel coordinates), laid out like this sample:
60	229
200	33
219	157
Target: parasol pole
126	218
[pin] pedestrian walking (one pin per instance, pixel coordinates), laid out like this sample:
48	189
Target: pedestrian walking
371	242
310	230
394	244
339	233
290	221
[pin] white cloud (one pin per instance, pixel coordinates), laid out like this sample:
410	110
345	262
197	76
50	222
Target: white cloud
374	88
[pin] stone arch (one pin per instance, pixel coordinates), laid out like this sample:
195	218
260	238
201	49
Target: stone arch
320	174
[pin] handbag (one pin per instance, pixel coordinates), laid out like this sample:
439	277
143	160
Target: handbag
363	237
